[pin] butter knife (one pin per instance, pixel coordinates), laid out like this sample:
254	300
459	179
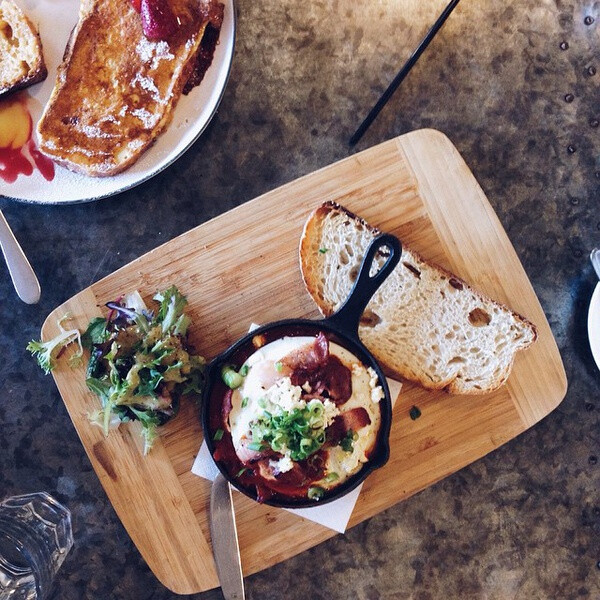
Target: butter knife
223	532
21	272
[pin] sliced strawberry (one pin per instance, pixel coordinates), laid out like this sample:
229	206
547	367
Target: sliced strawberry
137	5
158	20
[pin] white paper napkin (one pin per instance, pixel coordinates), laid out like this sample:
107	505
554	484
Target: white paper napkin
334	515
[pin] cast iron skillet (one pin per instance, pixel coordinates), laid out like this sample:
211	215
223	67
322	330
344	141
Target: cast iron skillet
342	328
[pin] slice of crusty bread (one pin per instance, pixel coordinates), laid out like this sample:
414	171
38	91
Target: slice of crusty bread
424	323
21	59
116	90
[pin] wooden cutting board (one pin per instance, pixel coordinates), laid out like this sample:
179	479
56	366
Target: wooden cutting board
243	267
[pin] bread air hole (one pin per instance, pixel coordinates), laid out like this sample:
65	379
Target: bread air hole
353	273
370	319
455	283
6	30
414	270
456	360
479	317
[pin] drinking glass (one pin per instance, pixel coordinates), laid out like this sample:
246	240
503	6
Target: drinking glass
35	537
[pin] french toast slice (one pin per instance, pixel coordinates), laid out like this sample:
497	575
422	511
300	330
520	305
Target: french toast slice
116	90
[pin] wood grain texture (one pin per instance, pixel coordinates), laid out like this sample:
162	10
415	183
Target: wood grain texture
243	267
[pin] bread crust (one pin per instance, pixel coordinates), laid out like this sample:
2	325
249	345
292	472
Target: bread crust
310	269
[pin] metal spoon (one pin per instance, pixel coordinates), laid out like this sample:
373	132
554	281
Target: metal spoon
595	258
21	273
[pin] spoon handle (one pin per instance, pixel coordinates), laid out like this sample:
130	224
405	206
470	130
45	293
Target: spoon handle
21	273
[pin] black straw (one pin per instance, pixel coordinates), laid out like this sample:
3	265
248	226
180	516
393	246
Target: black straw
404	71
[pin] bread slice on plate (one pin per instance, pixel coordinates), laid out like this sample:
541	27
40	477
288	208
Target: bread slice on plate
424	323
116	89
21	59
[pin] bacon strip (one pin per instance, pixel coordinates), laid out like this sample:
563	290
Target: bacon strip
351	420
309	357
226	408
356	419
324	373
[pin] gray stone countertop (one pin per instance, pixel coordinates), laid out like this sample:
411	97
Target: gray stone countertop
523	522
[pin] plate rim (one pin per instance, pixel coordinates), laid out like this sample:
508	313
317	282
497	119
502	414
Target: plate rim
155	171
593	324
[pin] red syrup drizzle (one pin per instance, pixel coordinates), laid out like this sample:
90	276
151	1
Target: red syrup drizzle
43	163
14	161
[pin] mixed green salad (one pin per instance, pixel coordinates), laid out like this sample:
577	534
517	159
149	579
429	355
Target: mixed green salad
140	363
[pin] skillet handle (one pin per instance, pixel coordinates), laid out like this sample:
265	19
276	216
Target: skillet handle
347	318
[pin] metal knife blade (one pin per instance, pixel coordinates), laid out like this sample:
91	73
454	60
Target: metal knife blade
226	549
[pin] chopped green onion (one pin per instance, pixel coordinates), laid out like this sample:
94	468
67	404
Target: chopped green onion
315	492
414	413
279	366
218	435
241	472
244	402
323	250
331	477
316	408
257	446
230	378
305	443
346	442
298	431
244	370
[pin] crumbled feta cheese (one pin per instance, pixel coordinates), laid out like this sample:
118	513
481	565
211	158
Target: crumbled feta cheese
306	387
377	394
283	465
285	395
331	411
376	390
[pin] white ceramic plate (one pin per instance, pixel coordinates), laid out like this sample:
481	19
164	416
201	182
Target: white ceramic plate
594	324
56	19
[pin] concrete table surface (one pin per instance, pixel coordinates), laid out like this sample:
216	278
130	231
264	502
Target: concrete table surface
522	107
